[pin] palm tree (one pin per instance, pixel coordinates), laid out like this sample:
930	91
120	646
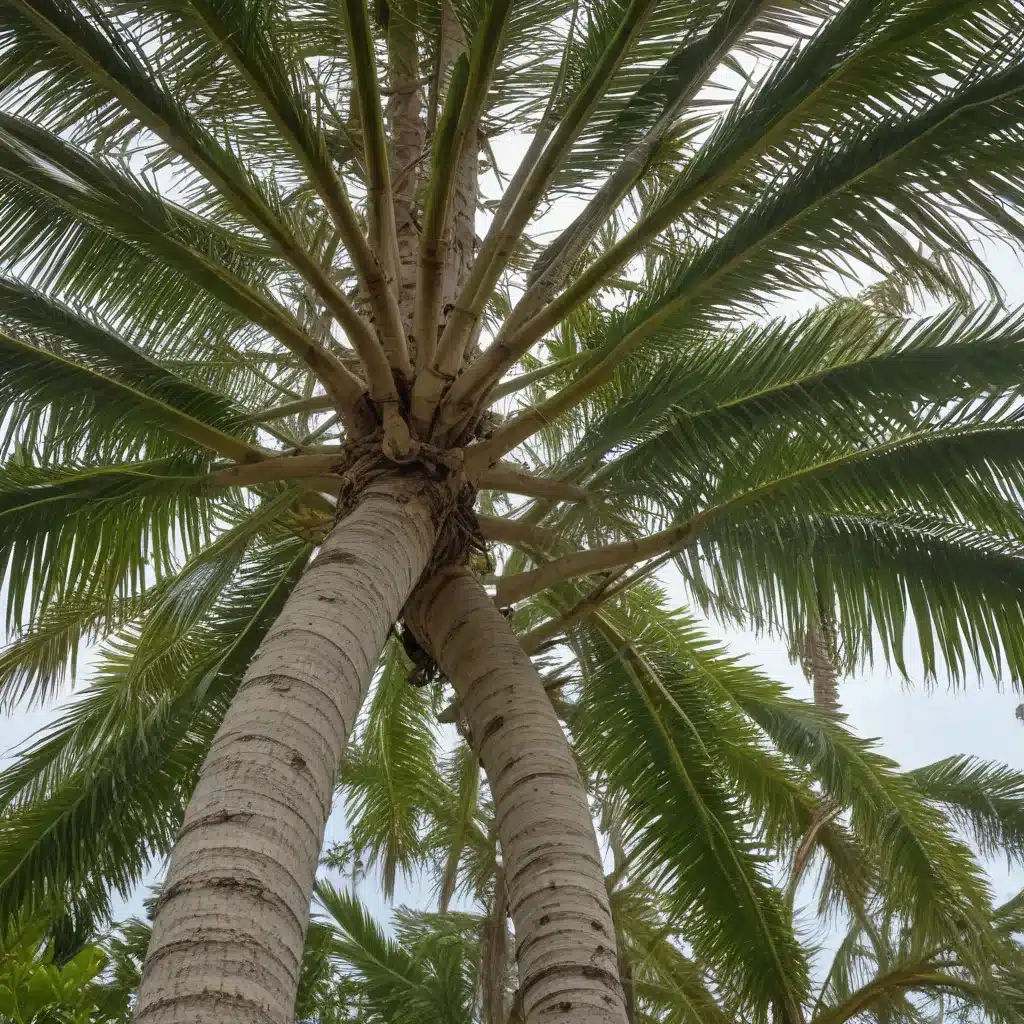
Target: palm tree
258	369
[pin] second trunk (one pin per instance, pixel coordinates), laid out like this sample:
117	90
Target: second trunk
565	939
819	664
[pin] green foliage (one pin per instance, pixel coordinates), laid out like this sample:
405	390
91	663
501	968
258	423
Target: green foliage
103	790
427	975
390	776
423	967
834	434
715	771
680	820
984	799
34	989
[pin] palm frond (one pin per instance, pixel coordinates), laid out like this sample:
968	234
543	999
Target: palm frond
395	984
96	530
80	354
36	664
926	871
841	371
983	798
830	214
666	981
97	192
390	777
896	582
455	825
59	251
103	69
643	731
99	795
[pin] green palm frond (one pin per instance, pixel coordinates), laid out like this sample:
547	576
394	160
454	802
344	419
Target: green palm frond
983	798
251	46
644	733
867	60
851	403
879	971
629	102
950	591
456	832
58	250
126	949
36	664
129	211
63	354
949	141
96	530
840	370
396	984
1010	915
318	990
667	982
449	944
855	200
927	872
108	77
103	791
390	777
997	999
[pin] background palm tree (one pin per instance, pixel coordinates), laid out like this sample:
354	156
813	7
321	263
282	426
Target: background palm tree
247	320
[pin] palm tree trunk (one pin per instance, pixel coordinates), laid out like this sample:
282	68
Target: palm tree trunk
228	935
565	939
820	666
494	958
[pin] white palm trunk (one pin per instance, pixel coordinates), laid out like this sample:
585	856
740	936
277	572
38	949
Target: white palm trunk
229	931
565	939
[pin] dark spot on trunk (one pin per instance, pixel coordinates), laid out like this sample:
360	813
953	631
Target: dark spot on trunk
565	1006
337	558
298	762
544	919
508	765
492	727
597	926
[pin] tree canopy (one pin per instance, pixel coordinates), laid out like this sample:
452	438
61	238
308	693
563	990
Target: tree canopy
205	244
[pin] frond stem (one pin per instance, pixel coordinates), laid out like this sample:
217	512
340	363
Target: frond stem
503	235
